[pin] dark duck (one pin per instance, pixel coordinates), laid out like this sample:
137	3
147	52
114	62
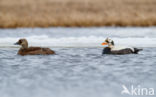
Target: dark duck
25	50
112	49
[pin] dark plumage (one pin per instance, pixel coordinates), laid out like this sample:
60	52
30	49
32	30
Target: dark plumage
25	50
107	50
111	49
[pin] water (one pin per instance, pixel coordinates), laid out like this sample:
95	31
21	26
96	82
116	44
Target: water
78	69
80	37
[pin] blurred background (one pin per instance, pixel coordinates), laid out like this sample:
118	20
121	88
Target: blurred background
77	13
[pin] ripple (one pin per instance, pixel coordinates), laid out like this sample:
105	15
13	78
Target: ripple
74	72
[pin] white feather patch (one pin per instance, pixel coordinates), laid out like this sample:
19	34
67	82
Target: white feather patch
121	47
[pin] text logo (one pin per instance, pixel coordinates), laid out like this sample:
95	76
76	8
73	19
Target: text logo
138	90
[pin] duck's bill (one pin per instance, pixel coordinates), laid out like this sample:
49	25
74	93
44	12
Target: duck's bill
104	43
16	43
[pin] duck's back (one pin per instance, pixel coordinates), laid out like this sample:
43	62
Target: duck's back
122	51
35	51
108	50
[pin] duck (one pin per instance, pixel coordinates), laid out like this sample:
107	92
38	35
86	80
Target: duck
25	50
112	49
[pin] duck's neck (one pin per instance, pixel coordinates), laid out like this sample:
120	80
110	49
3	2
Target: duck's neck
111	46
24	45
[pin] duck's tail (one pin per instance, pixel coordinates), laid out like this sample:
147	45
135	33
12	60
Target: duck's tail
136	50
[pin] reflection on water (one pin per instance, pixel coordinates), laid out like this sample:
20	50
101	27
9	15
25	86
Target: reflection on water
74	72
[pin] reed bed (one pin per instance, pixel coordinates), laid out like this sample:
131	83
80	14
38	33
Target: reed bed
77	13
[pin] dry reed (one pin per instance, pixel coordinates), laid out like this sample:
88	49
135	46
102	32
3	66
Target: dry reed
79	13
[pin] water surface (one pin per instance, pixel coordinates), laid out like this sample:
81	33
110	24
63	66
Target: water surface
78	69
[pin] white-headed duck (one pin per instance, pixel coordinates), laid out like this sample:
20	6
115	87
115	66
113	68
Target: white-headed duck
25	50
112	49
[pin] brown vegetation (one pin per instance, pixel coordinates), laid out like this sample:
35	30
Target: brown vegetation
81	13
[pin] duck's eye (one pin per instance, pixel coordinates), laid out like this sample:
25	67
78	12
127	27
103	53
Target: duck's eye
20	41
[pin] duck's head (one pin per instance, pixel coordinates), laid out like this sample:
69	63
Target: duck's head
23	43
108	42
